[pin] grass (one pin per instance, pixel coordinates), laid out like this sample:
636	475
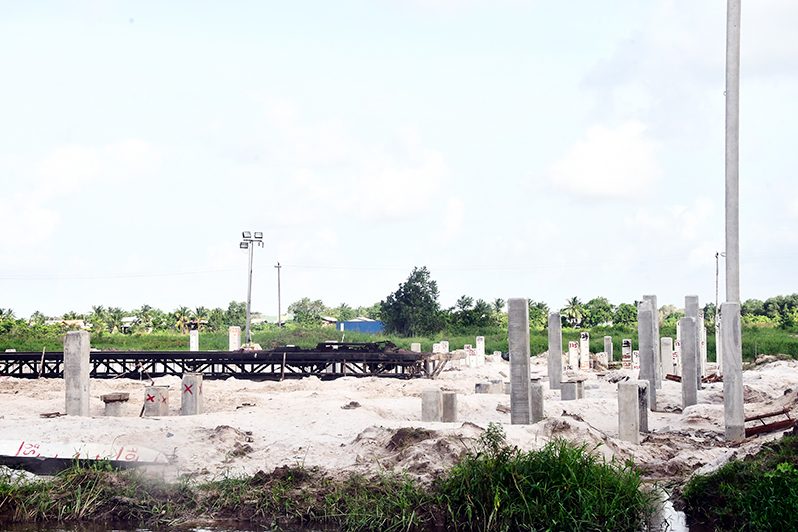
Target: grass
496	487
758	493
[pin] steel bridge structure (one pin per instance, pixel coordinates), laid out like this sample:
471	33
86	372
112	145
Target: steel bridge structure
326	361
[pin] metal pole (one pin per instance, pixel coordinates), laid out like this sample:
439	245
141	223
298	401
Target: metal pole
279	308
733	151
249	291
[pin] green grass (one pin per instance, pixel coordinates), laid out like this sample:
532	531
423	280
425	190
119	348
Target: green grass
496	487
758	493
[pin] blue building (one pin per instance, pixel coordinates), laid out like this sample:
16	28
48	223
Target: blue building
361	325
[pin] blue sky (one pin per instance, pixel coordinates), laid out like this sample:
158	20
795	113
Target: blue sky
518	149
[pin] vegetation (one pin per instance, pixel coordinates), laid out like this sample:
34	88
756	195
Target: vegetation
413	309
495	487
758	493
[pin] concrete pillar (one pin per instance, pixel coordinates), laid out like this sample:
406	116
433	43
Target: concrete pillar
480	343
645	339
536	400
666	355
156	401
602	360
436	347
691	311
626	353
233	338
449	407
113	403
652	299
629	411
444	346
191	394
415	347
431	405
193	340
643	400
718	343
584	350
733	402
608	347
76	372
677	357
702	346
573	355
555	351
689	347
636	361
568	391
518	333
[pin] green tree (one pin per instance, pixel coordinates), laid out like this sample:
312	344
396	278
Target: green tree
344	312
181	317
625	315
538	314
236	313
372	312
307	311
114	319
573	312
597	311
709	315
670	315
37	318
216	319
413	310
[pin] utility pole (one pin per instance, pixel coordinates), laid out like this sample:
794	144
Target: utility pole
248	241
279	308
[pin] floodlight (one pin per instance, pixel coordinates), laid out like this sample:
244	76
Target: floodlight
258	235
246	234
243	245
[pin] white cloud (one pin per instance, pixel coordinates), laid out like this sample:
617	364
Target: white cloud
618	162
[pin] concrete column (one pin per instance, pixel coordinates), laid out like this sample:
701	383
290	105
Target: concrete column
193	340
636	361
518	333
584	350
573	355
431	405
113	403
608	347
691	311
642	399
666	356
733	402
689	348
626	353
555	351
568	391
645	339
415	347
677	357
480	343
156	400
449	407
233	338
444	346
191	394
602	360
629	411
652	299
536	400
702	346
436	348
718	343
76	372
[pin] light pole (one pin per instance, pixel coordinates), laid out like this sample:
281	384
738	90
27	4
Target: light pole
249	241
279	308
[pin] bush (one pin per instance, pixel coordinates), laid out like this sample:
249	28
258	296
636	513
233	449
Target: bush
759	493
561	487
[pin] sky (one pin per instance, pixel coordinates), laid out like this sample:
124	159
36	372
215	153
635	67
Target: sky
516	148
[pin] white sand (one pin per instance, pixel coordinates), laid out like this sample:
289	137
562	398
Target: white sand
303	422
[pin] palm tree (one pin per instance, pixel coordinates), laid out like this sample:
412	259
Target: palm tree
574	311
200	316
115	315
181	318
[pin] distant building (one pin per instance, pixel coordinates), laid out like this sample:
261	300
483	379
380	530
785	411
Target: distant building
361	324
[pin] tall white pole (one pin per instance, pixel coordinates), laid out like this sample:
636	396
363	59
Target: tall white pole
733	151
249	292
279	307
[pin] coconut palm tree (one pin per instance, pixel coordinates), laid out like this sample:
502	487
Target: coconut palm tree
181	318
574	311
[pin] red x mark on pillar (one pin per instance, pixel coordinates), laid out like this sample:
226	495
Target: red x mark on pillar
150	398
187	388
164	398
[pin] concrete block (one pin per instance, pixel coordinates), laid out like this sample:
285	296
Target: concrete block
415	347
536	400
233	338
449	407
156	401
77	346
568	391
480	343
431	405
113	403
629	411
191	396
193	340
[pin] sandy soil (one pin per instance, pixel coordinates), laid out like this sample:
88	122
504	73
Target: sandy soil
348	424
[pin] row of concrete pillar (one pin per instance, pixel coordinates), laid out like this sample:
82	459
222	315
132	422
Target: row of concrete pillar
233	339
77	368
